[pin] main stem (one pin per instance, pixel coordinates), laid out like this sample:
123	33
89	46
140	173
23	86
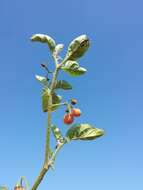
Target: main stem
46	165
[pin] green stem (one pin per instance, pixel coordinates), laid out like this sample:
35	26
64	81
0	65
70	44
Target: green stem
61	104
48	131
39	178
46	165
51	161
23	178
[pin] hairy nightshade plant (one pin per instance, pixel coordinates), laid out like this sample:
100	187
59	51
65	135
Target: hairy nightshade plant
51	101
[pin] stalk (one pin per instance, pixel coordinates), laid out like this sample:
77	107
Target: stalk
47	163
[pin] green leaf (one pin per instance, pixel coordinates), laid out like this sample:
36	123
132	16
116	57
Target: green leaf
57	134
83	132
73	68
3	188
78	47
45	98
50	152
62	84
42	79
44	39
56	99
58	49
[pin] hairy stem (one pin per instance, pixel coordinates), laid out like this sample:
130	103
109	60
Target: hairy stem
48	132
39	178
47	164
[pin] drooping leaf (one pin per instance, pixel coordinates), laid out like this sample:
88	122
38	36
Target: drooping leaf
83	132
73	68
56	99
57	134
62	84
42	79
78	47
44	39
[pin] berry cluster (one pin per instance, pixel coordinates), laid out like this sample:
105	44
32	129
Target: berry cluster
74	112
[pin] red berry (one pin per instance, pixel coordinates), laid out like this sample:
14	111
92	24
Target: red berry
75	112
68	118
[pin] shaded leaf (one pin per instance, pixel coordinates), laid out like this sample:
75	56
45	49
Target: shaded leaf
83	132
56	99
73	68
62	84
44	39
78	47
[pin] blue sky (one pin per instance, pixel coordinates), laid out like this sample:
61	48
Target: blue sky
109	95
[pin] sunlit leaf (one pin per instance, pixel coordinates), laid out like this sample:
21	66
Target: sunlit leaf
42	79
57	134
58	49
44	39
78	47
73	68
83	132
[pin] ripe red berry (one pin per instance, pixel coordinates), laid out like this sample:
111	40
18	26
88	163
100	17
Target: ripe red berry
75	112
68	118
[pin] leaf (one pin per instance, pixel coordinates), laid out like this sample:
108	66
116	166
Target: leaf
57	133
73	68
44	39
50	152
42	79
3	188
58	49
83	132
78	47
45	97
56	99
62	84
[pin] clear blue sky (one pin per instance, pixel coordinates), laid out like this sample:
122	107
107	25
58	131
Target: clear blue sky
110	95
